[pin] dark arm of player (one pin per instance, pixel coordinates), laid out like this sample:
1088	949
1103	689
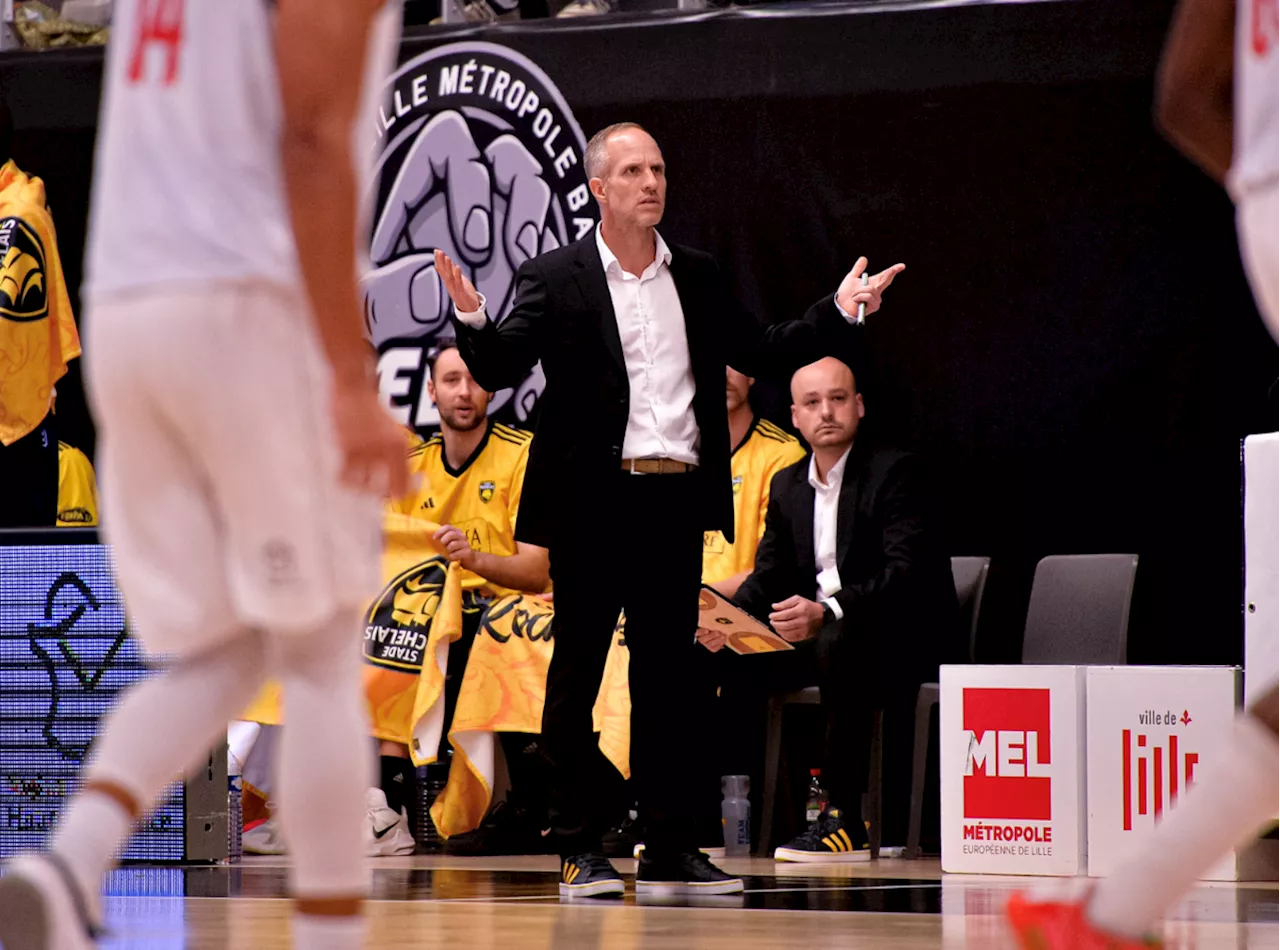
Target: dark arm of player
1194	83
910	539
528	570
499	356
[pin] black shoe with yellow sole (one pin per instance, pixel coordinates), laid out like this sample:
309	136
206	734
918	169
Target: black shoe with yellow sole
832	839
589	875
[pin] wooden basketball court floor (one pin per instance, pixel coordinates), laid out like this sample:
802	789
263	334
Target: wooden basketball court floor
513	904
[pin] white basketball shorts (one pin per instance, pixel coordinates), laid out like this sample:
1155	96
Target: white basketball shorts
218	466
1257	223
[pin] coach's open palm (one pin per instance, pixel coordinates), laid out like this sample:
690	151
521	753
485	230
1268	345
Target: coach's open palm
458	285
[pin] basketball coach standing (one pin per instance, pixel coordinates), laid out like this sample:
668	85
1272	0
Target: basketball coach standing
628	467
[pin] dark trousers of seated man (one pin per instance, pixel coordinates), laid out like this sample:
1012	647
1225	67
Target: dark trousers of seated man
851	694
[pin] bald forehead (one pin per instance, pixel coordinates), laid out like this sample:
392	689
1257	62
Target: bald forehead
825	375
631	142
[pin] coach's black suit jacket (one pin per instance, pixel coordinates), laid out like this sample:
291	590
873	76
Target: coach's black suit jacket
563	315
898	596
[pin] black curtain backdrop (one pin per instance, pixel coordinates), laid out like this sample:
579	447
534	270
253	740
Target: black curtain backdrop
1073	343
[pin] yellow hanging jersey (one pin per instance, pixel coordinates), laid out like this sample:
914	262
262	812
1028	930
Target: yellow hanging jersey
766	450
77	489
481	498
37	331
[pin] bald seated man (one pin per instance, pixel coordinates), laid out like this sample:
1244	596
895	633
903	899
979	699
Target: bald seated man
854	571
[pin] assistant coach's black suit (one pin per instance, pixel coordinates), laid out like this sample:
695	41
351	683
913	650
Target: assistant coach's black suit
626	541
899	603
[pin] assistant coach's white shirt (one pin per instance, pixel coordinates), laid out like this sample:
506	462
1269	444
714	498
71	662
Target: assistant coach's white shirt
655	348
826	511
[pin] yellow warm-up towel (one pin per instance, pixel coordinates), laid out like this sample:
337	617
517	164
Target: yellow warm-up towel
503	690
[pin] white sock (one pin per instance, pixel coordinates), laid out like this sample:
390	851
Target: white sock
89	832
314	932
325	764
1234	800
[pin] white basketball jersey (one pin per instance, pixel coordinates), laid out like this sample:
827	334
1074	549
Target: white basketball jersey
1257	101
188	178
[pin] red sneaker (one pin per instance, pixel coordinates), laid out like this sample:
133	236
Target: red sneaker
1054	925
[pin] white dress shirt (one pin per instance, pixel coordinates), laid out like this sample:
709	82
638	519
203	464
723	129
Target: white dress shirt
826	508
655	348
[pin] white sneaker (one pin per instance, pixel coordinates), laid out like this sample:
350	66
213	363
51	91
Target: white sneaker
41	908
264	838
386	833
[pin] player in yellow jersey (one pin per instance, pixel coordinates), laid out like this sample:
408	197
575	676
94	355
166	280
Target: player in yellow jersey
77	486
77	489
472	475
760	450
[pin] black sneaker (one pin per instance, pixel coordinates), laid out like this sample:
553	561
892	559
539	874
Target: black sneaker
832	839
683	874
589	875
507	829
621	842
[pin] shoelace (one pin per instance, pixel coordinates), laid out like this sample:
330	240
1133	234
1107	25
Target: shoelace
595	862
824	826
702	861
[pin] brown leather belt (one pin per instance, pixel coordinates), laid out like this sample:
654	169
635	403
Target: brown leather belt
656	466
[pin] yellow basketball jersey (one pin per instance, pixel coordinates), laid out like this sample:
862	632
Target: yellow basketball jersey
77	489
765	452
38	335
481	498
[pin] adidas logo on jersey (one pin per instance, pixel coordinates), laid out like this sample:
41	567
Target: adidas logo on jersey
429	503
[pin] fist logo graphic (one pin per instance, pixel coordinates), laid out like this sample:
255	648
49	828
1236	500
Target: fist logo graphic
479	156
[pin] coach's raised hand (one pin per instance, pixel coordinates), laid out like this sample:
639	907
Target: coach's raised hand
851	292
458	285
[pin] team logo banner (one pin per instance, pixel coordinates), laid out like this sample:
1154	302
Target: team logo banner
1152	731
480	156
1012	755
23	291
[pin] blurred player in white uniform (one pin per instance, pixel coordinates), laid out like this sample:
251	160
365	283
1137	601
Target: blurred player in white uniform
226	357
1218	101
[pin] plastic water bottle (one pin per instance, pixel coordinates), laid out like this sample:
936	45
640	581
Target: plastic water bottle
735	815
817	799
235	818
431	782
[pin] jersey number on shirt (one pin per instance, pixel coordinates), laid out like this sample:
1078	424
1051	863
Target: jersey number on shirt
159	23
1263	19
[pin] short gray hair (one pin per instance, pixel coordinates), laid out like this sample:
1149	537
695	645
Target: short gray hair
596	158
